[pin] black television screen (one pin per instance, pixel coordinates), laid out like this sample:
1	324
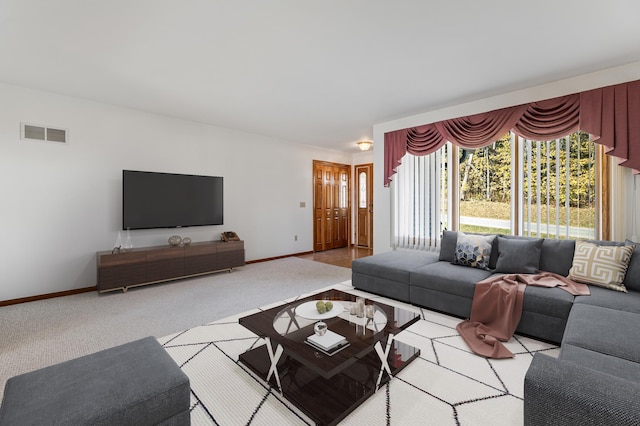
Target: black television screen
167	200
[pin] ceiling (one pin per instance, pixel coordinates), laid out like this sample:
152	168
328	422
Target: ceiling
319	73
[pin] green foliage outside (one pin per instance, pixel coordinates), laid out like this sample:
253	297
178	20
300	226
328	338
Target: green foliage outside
485	177
486	173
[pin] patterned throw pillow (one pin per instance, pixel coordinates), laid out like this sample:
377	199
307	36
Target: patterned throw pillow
604	266
473	250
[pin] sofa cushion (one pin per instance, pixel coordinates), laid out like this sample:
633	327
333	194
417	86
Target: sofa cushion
603	266
448	278
495	255
557	256
448	245
473	250
632	278
605	243
553	302
628	302
563	393
604	330
518	256
137	383
393	265
601	362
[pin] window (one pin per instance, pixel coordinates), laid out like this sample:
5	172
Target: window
513	186
362	188
485	188
558	196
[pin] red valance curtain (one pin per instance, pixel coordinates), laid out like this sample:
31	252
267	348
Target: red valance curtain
610	114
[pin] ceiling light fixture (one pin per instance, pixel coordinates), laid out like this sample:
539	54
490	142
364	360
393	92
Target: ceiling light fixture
365	145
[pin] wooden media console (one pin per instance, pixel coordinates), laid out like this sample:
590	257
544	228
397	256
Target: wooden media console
149	265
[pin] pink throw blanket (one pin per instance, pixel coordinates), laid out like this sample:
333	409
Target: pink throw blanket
497	307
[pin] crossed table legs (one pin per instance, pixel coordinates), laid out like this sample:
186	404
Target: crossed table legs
383	354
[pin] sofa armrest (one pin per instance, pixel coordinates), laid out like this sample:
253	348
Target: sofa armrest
559	392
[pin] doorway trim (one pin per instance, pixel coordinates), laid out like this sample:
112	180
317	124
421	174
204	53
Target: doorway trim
363	212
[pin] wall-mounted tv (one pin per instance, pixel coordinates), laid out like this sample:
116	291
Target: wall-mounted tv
168	200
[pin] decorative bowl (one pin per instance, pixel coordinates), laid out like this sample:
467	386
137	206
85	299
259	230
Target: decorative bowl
175	240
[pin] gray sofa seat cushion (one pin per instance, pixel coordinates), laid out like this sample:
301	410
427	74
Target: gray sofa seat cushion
552	302
557	256
393	265
447	278
628	302
561	393
608	331
601	362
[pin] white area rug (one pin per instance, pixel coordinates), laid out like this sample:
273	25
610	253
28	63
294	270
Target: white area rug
446	385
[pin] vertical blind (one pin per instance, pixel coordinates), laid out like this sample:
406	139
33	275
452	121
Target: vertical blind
416	203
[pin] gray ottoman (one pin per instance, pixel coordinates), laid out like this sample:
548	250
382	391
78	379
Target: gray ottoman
133	384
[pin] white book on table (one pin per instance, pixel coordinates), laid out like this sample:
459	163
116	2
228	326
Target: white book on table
329	341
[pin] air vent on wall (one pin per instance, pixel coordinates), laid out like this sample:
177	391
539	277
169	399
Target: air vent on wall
41	133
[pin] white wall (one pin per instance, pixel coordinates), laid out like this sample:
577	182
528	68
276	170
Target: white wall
60	203
381	232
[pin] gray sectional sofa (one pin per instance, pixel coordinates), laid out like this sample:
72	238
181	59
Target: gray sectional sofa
596	378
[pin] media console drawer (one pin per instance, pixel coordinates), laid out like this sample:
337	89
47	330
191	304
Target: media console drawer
148	265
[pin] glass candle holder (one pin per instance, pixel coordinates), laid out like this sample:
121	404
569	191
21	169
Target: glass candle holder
320	328
360	307
353	309
370	310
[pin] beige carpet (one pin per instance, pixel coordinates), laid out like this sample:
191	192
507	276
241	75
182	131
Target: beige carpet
37	334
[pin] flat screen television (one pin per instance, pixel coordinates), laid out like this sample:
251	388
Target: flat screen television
168	200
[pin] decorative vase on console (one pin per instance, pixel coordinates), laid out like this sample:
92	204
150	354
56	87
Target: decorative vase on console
118	243
127	243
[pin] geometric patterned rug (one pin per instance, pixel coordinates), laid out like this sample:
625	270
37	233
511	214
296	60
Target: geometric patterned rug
446	385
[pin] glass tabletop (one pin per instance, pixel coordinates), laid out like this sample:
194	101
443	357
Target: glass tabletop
284	326
296	316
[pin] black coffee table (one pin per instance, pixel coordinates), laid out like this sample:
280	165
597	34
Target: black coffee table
328	388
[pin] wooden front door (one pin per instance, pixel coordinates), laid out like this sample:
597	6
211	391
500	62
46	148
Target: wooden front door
364	201
331	212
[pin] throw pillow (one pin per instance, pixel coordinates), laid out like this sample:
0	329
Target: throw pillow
604	266
557	256
473	250
518	256
448	245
